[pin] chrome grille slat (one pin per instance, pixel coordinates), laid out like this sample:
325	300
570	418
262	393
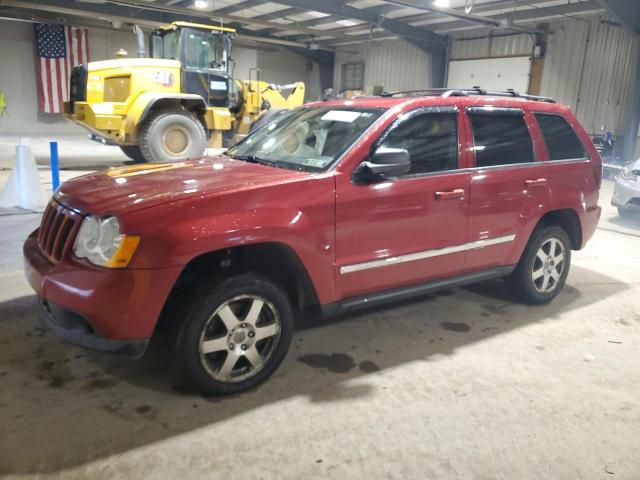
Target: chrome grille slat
57	231
44	226
53	232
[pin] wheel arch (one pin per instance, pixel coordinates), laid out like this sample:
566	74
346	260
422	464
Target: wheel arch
274	260
147	103
567	219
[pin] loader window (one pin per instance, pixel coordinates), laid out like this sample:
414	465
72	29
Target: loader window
309	138
166	46
204	50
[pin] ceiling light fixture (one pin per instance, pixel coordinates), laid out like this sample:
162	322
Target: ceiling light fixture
201	4
441	3
346	23
316	14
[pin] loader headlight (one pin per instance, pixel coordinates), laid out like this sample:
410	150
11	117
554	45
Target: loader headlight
99	240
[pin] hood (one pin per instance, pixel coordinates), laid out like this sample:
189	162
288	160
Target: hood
118	191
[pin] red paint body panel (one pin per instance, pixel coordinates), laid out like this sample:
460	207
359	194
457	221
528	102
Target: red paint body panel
187	209
119	304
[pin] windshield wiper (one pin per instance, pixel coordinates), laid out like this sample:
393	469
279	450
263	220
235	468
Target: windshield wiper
256	159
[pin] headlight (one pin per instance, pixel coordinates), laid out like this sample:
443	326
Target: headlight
630	175
99	240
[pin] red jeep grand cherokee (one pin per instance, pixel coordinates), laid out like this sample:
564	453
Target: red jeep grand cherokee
334	206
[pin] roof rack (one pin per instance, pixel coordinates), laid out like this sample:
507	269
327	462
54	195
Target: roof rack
465	92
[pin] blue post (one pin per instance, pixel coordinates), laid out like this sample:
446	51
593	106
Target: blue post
55	165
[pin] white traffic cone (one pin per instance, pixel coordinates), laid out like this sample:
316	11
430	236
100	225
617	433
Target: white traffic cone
24	189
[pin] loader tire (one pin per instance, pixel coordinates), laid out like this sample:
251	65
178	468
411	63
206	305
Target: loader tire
171	135
133	152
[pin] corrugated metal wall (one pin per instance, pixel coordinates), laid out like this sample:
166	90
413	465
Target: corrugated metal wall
395	64
586	66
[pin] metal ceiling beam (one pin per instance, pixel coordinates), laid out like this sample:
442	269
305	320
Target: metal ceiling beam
229	9
530	14
516	16
378	10
459	14
488	7
126	15
239	6
279	14
420	37
626	12
141	5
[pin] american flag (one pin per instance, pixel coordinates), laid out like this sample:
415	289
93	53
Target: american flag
58	49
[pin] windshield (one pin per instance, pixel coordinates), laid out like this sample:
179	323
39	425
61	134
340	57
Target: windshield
309	138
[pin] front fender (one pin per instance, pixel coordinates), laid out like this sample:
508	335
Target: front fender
142	106
187	229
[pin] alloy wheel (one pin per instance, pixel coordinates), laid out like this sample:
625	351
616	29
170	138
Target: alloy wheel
548	265
239	338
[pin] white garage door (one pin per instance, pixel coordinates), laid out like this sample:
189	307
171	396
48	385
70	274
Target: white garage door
491	73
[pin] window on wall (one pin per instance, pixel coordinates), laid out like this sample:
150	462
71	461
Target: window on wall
352	76
562	142
431	140
501	139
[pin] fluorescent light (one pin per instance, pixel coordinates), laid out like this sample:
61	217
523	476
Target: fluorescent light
441	3
201	4
347	23
316	14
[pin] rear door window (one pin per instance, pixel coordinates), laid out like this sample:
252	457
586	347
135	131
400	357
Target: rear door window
500	138
562	142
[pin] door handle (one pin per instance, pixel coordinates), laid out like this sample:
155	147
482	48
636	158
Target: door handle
540	182
450	195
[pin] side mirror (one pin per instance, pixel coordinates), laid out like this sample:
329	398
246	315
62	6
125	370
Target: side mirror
386	161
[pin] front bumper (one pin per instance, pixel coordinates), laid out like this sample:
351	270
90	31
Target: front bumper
109	310
74	329
626	194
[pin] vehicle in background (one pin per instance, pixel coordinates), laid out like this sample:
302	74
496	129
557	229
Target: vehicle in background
626	194
336	206
171	106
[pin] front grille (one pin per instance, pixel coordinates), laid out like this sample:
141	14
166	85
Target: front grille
78	84
57	231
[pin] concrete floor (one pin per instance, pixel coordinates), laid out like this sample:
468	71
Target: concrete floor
458	385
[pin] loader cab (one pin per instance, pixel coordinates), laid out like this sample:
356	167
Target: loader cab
204	52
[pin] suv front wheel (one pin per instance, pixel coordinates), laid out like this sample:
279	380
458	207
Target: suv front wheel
543	267
235	335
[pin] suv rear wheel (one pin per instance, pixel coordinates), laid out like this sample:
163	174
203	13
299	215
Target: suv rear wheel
543	267
236	334
170	135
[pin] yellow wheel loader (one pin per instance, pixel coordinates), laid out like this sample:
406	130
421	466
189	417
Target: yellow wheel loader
172	105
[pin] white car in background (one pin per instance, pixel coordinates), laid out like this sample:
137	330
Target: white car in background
626	195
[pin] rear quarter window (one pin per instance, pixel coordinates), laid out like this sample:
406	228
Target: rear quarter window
562	142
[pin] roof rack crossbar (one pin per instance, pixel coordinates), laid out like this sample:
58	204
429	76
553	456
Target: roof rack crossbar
463	92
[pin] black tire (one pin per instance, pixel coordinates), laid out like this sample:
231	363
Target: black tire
171	135
203	324
133	152
521	281
266	117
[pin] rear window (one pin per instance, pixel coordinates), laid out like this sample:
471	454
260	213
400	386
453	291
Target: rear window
501	139
562	142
